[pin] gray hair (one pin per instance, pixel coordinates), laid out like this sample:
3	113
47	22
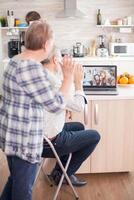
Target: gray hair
55	52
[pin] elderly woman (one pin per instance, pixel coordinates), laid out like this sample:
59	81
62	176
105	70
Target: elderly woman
26	93
68	137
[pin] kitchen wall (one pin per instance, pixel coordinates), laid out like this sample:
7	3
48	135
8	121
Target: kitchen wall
68	31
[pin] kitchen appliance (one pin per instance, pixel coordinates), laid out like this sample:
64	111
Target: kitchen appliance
70	10
78	50
102	51
66	52
14	47
22	41
121	49
100	79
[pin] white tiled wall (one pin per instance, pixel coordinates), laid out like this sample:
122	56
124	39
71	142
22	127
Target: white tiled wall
68	31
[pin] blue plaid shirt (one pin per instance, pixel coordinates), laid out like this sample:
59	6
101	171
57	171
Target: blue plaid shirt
26	93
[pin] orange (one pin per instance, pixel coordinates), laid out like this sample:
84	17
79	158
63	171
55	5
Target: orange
131	80
123	80
126	74
118	78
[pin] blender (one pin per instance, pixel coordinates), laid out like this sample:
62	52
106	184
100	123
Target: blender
102	51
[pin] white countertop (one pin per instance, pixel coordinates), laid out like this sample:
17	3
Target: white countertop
109	58
95	58
125	92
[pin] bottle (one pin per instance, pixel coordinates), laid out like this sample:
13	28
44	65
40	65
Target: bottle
98	17
12	19
8	18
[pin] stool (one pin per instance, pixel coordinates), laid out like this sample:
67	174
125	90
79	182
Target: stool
64	170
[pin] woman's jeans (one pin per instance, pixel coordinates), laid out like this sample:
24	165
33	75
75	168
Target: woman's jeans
21	179
73	139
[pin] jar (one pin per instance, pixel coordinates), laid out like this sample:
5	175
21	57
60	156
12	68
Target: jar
17	22
125	21
129	20
119	22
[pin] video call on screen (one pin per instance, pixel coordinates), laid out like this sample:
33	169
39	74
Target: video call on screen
99	76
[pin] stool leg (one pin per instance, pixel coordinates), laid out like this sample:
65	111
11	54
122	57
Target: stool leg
62	177
49	180
40	166
61	166
65	174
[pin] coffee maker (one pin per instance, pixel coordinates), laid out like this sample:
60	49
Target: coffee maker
14	47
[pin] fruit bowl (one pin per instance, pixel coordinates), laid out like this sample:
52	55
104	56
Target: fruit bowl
125	80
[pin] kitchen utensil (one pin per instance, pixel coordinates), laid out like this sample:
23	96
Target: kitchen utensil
93	48
78	50
65	52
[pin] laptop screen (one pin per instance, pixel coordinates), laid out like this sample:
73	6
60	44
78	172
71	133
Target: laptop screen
100	76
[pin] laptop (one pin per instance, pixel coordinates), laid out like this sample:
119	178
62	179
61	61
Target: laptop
100	79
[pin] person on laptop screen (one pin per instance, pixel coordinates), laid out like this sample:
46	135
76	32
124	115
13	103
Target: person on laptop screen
99	77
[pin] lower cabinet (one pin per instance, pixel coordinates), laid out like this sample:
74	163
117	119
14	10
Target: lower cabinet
79	117
114	120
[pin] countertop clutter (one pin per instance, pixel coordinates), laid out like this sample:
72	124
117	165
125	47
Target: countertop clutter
103	45
105	48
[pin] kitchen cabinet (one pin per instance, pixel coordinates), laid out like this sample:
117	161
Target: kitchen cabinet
114	120
79	117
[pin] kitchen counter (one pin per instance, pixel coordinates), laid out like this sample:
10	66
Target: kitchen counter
123	65
125	92
95	58
109	58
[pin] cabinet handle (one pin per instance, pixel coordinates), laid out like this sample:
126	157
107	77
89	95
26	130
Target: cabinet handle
86	114
96	116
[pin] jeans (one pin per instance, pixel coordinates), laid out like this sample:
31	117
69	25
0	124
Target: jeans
20	181
73	139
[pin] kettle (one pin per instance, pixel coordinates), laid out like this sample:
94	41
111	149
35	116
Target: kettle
78	50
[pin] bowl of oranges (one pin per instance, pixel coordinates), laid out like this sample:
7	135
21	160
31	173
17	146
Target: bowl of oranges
125	79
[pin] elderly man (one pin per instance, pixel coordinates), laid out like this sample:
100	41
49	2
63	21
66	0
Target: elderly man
67	137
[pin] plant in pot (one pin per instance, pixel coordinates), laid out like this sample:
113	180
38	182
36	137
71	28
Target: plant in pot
3	21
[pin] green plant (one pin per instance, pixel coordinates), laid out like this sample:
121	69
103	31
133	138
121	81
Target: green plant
3	21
